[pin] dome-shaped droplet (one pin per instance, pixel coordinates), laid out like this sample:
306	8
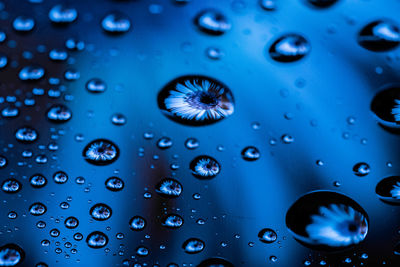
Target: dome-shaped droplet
26	134
289	48
214	53
23	24
164	143
101	152
388	190
96	85
215	262
71	222
11	186
267	235
60	177
3	162
380	36
169	188
137	223
205	167
212	22
10	112
322	3
268	5
37	209
100	212
142	251
116	22
327	220
31	73
118	119
196	100
11	255
114	184
3	60
250	153
58	55
361	169
172	221
97	240
59	113
38	181
192	143
193	246
386	107
62	14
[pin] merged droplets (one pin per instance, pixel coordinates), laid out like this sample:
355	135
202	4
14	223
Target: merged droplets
116	22
26	134
380	36
212	22
169	188
11	186
193	246
101	152
250	153
205	167
38	181
137	223
267	235
386	107
62	14
327	220
388	190
114	184
196	100
172	221
96	85
31	73
59	113
289	48
37	209
23	24
11	255
100	212
97	240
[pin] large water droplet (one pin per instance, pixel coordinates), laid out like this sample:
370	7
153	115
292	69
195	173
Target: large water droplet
388	190
11	255
100	212
137	223
26	134
101	152
380	36
97	240
386	107
11	186
205	167
71	222
327	220
212	22
289	48
37	209
193	246
60	177
169	188
196	100
38	181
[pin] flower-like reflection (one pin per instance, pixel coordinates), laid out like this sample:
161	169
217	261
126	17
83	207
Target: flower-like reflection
337	226
395	192
205	167
396	110
199	100
101	152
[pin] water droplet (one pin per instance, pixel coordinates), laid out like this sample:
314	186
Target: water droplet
11	255
96	85
215	262
193	246
116	23
3	162
386	107
31	73
114	184
205	167
322	3
71	222
388	190
59	113
37	209
97	240
118	119
212	22
196	100
11	186
361	169
38	181
326	220
62	14
267	235
172	221
250	153
60	177
164	143
137	223
10	112
58	55
380	36
23	24
101	152
214	53
142	251
287	139
268	5
192	143
169	188
289	48
100	212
